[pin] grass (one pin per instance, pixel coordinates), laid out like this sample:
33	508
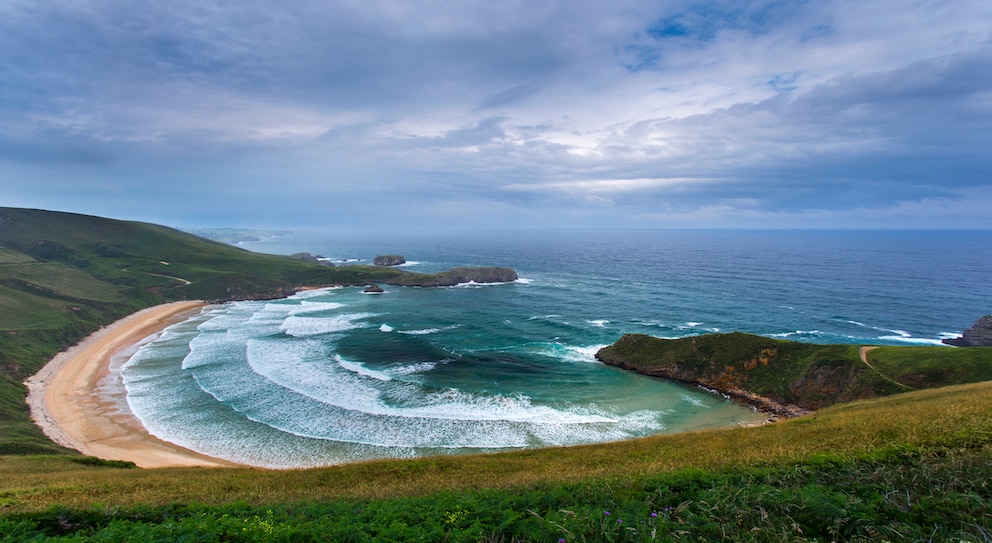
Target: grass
63	280
896	496
898	468
919	367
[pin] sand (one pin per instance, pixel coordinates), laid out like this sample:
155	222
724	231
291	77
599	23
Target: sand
69	404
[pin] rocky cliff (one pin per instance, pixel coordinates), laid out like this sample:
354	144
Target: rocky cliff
389	260
979	335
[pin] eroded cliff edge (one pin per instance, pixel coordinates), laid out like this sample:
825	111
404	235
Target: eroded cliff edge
783	378
979	335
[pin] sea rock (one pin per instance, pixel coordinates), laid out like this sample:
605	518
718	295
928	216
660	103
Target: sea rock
482	275
456	276
389	260
979	335
373	289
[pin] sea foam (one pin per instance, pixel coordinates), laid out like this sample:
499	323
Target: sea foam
303	326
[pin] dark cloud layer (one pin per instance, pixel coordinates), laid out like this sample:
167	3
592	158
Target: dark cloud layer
776	114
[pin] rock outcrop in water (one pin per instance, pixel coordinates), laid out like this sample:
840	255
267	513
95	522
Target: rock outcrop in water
457	276
979	335
389	260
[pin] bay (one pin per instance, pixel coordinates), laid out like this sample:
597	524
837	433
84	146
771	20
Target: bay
336	375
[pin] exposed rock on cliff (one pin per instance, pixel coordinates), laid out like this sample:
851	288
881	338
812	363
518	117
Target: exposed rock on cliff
389	260
979	335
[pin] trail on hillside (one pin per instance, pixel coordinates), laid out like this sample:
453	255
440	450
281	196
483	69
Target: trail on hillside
180	279
864	358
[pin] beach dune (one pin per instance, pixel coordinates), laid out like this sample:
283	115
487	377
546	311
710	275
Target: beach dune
67	405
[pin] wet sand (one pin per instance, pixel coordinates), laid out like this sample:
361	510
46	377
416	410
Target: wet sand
68	403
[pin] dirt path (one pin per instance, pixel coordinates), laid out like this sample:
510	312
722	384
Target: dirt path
180	279
865	349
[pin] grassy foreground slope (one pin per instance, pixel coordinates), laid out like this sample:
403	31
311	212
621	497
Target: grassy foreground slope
64	275
908	467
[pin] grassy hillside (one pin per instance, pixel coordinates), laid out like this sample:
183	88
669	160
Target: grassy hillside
797	374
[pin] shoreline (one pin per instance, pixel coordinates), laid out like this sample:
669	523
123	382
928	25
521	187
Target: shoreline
66	401
774	410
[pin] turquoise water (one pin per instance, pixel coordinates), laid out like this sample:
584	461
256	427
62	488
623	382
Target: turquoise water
336	375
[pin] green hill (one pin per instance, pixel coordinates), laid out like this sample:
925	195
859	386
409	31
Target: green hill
64	275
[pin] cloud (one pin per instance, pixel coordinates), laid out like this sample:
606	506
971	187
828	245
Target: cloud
707	112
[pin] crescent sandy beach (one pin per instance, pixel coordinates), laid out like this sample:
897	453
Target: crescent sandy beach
66	400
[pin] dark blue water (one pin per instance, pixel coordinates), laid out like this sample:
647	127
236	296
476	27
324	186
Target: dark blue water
895	287
337	375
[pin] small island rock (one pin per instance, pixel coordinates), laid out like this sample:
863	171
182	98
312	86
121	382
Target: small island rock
373	289
389	260
979	335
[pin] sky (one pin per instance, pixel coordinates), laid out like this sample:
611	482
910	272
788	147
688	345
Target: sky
479	114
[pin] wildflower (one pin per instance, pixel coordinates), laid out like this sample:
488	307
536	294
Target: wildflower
654	515
619	521
607	513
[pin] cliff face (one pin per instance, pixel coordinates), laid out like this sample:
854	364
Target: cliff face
389	260
979	335
780	377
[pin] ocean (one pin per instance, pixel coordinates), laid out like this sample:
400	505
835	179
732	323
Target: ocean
336	375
